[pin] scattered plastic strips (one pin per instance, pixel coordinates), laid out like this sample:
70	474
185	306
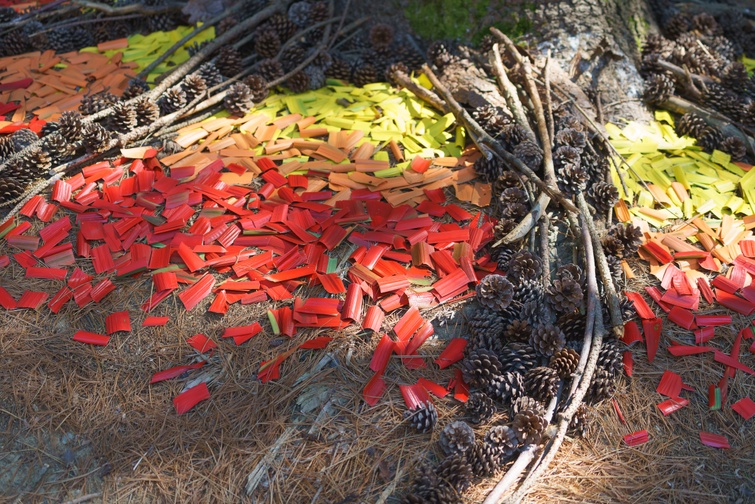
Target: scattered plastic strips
117	322
153	321
186	400
374	389
382	354
670	384
201	343
652	329
174	372
670	405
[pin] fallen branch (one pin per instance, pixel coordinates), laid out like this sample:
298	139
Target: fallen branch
508	90
134	8
488	143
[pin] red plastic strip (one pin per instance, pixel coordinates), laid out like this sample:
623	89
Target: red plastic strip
374	318
374	389
408	324
731	362
152	321
713	320
197	292
714	440
652	329
435	389
91	338
414	395
452	354
628	362
174	372
682	318
201	343
735	303
32	300
631	333
637	438
617	409
352	306
185	401
118	321
640	305
745	407
315	343
704	335
670	384
6	300
670	405
461	389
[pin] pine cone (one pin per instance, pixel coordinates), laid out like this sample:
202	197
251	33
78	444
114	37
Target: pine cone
381	36
57	147
393	69
439	55
489	169
541	383
7	14
441	494
529	290
518	358
49	128
267	43
678	24
485	326
495	292
229	61
529	153
238	99
524	265
423	417
91	104
123	118
258	85
505	387
480	407
10	190
503	256
578	424
602	386
691	125
518	330
658	89
613	246
161	23
480	366
710	139
485	459
565	362
573	326
96	138
547	339
596	166
147	112
603	195
705	24
6	146
723	100
572	271
23	138
365	74
456	471
292	56
194	85
340	69
135	88
70	126
456	437
298	83
211	75
572	178
316	76
629	235
614	266
172	100
735	77
570	137
270	69
532	312
36	161
224	25
529	426
565	294
570	121
610	358
512	135
503	439
298	13
283	27
734	146
526	403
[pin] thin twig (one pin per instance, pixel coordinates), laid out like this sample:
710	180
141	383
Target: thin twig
135	8
508	90
196	31
490	144
593	342
548	102
84	498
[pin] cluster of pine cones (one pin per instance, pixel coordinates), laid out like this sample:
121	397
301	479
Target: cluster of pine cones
710	49
53	33
284	41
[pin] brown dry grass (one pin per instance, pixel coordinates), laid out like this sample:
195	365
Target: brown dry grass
139	450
